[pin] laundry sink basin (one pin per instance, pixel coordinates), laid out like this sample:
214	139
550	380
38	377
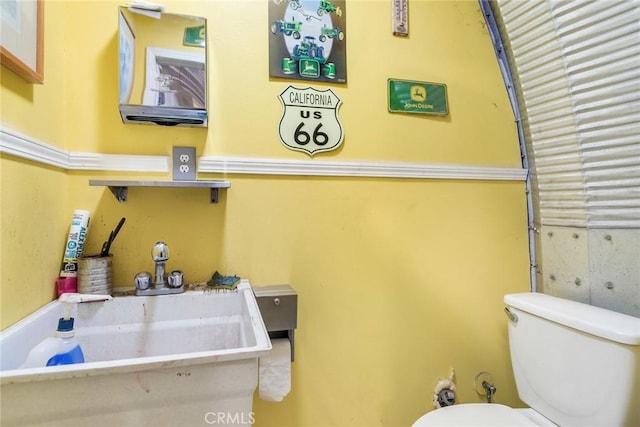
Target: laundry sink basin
146	356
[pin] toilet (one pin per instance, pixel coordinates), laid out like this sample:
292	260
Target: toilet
574	365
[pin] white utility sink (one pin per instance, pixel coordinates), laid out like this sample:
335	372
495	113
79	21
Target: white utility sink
150	360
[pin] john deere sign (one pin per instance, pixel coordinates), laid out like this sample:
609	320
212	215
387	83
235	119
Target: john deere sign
417	97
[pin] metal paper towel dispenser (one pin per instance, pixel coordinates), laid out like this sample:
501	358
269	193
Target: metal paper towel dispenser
162	68
278	306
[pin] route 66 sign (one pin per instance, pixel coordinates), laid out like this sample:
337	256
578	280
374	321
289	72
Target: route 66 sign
309	120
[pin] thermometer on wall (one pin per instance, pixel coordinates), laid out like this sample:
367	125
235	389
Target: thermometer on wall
400	17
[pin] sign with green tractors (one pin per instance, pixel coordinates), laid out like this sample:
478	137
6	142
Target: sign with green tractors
307	40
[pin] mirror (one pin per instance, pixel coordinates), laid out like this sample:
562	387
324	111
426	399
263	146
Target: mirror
162	68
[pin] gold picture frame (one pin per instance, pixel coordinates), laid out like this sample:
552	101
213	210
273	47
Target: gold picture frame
22	39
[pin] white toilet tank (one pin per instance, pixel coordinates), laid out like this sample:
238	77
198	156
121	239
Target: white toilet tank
576	364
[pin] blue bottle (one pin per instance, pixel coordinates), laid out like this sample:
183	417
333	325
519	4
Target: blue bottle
63	349
70	349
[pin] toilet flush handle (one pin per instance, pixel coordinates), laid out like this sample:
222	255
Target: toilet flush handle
511	315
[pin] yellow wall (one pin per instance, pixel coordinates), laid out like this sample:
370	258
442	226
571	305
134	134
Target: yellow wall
34	207
399	280
22	103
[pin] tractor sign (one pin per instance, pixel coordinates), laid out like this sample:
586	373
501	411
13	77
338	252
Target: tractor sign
308	40
310	120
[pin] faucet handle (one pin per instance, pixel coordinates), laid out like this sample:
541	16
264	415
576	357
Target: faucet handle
175	279
160	252
142	280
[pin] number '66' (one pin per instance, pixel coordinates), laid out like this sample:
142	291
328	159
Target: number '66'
302	137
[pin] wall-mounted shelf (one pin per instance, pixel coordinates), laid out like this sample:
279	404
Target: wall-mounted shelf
120	188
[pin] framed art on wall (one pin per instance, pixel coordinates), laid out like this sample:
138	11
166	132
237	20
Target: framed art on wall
22	38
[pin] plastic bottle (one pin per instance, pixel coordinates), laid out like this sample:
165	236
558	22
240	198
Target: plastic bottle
63	349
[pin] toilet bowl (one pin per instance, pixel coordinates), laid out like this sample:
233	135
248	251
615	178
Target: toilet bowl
482	414
574	365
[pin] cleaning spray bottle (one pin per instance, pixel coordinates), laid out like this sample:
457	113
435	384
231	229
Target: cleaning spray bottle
63	349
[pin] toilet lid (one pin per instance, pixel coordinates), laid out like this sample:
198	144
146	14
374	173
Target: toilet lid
474	414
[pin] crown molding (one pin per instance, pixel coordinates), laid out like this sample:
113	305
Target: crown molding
25	147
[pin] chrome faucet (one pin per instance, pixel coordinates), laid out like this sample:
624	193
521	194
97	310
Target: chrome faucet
163	283
159	255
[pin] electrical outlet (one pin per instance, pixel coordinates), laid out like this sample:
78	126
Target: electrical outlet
184	163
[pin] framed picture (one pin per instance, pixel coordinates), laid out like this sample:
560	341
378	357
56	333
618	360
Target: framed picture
22	38
126	65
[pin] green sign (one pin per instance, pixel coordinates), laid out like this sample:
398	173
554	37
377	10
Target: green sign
309	68
195	36
407	96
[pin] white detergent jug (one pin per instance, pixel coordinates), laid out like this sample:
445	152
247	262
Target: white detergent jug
63	349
